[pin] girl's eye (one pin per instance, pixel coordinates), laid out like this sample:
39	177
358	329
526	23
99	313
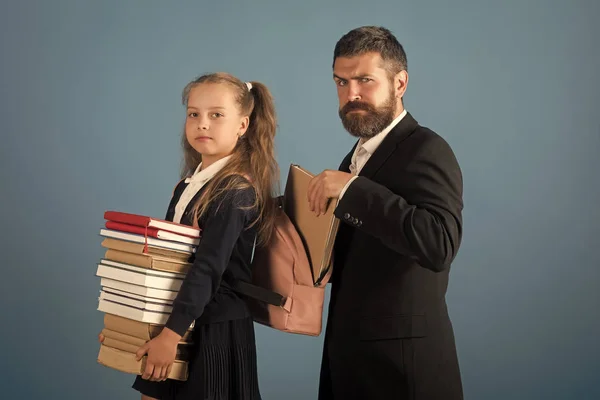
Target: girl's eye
193	115
217	115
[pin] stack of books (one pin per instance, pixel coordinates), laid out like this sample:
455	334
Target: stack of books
144	265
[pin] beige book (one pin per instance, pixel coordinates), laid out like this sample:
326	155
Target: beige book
138	248
117	344
121	337
136	329
123	342
317	233
148	261
147	240
126	362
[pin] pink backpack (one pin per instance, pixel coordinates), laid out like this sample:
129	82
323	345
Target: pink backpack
282	294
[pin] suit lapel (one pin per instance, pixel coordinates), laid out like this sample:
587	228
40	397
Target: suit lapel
345	165
400	132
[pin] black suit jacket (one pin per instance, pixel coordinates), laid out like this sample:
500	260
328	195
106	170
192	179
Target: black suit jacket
388	334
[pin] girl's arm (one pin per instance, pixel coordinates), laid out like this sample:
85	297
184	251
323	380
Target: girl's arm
224	222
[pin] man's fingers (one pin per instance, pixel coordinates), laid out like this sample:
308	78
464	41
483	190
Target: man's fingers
313	195
311	186
323	205
318	193
314	186
313	199
318	196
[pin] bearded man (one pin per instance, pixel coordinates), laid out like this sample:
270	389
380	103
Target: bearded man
398	193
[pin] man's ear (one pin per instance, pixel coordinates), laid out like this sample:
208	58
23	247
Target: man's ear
400	83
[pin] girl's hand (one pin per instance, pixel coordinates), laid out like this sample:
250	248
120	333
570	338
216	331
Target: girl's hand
161	354
100	337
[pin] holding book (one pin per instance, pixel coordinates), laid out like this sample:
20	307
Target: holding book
226	191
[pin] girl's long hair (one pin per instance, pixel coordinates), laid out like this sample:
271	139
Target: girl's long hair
252	162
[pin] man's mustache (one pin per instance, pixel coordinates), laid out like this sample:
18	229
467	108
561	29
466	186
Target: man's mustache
356	105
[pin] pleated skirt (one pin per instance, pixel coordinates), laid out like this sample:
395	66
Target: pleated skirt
222	367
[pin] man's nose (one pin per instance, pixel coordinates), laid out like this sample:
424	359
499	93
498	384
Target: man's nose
353	91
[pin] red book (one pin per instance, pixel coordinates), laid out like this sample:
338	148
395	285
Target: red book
149	222
152	232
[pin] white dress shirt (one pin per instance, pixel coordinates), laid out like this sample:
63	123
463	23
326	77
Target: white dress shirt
195	183
365	149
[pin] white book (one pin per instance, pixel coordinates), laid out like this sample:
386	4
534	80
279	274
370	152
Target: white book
173	237
136	314
135	238
137	296
143	291
139	303
139	276
144	270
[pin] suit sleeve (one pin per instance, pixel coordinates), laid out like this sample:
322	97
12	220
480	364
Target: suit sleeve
224	222
425	221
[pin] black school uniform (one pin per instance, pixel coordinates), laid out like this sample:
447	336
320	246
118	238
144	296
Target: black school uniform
223	364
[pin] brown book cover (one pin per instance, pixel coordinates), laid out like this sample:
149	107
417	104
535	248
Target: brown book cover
138	248
126	362
122	342
317	233
122	337
117	344
148	261
141	330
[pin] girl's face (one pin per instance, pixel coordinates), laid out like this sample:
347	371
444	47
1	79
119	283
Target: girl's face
213	123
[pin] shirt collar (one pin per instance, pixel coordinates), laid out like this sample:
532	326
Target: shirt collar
210	171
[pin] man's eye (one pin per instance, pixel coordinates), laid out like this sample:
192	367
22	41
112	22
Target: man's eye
342	83
366	80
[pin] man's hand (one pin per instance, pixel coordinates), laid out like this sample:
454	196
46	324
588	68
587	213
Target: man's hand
161	354
327	185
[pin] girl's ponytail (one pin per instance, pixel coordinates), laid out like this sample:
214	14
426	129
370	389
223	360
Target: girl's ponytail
260	137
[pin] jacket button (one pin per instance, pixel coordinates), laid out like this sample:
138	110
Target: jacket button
346	216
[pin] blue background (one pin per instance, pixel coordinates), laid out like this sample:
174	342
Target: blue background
90	119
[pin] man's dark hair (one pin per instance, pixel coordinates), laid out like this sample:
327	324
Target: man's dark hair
368	39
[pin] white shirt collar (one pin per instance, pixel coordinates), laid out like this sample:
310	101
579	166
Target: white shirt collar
371	145
209	172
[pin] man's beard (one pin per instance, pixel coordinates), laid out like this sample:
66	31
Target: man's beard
368	124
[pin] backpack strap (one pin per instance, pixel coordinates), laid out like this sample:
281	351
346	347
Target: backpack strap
259	293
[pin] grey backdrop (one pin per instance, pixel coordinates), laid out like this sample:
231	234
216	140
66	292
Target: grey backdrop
90	118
